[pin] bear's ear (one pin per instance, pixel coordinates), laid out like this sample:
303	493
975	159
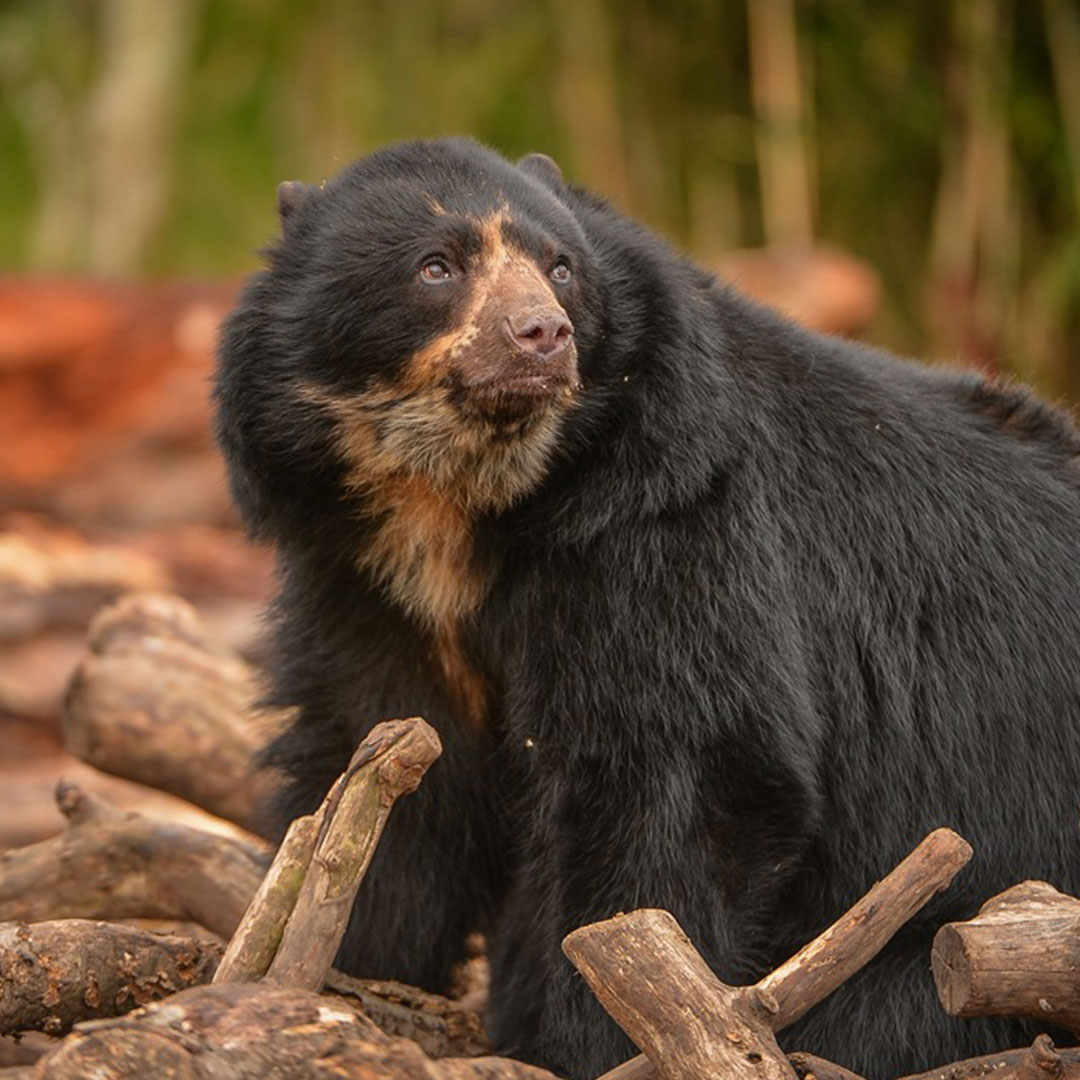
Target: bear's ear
290	196
544	169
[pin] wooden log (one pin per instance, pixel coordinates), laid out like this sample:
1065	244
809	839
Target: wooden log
136	1053
109	865
255	943
782	996
809	1067
1019	956
655	984
389	763
58	973
249	1031
117	866
1040	1061
160	702
828	961
439	1026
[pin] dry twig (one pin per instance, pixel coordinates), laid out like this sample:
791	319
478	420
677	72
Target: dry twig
390	762
255	943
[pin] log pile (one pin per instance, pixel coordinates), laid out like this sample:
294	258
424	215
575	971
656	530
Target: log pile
240	985
53	579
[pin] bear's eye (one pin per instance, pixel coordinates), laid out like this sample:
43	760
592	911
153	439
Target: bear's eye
560	273
435	272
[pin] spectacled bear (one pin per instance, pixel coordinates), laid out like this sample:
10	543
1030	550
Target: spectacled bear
712	613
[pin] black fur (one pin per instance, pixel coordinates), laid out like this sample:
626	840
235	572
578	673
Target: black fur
781	605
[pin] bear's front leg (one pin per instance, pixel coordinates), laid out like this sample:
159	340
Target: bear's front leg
438	872
664	828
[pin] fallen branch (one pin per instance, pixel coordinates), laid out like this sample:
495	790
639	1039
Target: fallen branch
644	970
641	963
847	946
389	763
809	1067
59	973
255	943
112	865
160	702
1017	957
1039	1061
439	1026
249	1031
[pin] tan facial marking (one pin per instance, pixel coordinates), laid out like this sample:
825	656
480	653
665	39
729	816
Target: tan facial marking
499	269
422	551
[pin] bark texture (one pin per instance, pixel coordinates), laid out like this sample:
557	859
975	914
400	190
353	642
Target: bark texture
158	701
55	974
246	1031
112	865
1020	956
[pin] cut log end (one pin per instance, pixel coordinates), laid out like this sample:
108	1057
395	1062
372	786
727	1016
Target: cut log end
952	971
1017	957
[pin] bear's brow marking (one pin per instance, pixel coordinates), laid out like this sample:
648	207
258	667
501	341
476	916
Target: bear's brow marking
497	260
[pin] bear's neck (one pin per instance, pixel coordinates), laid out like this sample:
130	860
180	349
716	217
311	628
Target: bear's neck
420	550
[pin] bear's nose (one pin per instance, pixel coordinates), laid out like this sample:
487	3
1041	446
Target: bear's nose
542	332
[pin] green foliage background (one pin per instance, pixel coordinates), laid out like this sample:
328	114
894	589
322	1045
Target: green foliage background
649	102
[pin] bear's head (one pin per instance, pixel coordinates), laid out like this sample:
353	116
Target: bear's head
417	339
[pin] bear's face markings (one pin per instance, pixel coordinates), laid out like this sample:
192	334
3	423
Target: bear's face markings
466	424
509	352
474	410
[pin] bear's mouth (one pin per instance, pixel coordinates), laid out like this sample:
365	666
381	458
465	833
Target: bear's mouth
503	399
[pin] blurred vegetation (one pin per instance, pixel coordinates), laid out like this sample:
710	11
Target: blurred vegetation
937	139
